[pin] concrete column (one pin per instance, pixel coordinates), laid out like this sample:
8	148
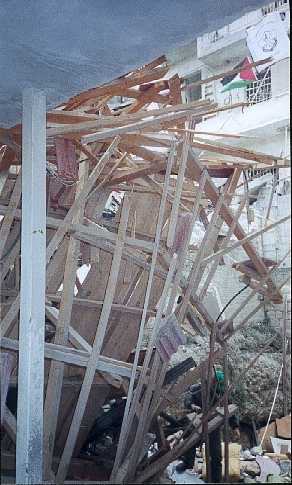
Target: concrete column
29	443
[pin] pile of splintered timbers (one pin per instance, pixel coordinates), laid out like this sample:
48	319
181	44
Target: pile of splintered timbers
95	328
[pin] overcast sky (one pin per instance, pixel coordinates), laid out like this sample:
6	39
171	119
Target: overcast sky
66	46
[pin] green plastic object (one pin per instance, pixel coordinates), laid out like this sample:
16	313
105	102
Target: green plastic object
219	378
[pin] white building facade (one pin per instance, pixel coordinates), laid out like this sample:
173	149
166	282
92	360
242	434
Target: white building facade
263	123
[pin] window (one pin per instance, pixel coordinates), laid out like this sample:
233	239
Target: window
193	92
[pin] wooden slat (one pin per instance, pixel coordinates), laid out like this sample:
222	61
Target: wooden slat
116	86
127	419
178	191
54	387
96	348
10	214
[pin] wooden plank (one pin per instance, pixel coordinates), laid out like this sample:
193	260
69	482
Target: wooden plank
115	87
10	255
126	421
96	348
212	193
244	240
9	424
147	96
60	233
54	386
215	225
9	216
76	357
98	303
162	462
198	259
226	415
208	145
178	191
216	261
138	173
158	122
180	266
3	179
227	73
135	452
122	120
97	232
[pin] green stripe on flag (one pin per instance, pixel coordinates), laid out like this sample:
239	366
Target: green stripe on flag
239	83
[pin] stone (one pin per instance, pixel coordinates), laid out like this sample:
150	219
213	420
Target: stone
284	427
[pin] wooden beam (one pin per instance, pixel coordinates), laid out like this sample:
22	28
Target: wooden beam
227	73
96	348
54	386
76	357
178	191
10	214
130	409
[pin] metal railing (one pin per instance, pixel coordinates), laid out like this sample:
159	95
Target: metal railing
275	6
260	90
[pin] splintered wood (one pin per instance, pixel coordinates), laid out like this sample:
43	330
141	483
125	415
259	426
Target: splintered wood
118	237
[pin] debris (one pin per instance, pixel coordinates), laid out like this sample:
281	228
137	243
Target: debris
280	445
7	361
283	426
256	450
234	462
130	211
250	467
271	431
268	467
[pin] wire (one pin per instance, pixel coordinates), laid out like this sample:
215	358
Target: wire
273	405
231	300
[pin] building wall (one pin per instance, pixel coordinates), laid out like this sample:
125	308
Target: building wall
265	128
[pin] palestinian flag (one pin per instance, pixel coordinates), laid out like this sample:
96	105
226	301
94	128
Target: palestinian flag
239	79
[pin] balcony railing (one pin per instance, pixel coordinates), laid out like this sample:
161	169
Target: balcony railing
276	6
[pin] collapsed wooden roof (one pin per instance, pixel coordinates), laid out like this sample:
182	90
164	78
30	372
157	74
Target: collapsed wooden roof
150	151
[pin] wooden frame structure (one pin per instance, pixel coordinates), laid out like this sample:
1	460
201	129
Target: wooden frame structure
147	150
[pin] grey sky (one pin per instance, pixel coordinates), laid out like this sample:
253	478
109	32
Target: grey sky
66	46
